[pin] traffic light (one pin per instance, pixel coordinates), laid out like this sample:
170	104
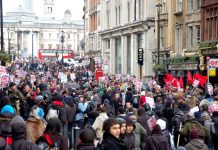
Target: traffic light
140	56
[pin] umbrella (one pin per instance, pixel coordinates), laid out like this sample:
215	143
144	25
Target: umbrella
71	85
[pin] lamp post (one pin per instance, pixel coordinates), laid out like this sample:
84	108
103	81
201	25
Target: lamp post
32	45
1	22
158	38
158	32
9	51
62	42
208	70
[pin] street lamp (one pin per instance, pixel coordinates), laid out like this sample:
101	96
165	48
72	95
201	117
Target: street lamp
32	45
1	24
158	32
62	41
9	51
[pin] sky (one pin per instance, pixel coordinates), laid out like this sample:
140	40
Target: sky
75	6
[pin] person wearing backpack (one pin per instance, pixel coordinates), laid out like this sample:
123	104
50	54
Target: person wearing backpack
52	138
157	141
19	141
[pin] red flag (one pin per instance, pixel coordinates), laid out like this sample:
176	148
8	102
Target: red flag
166	84
172	80
201	79
189	78
181	83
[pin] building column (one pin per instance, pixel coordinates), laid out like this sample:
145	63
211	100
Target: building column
124	54
112	56
133	54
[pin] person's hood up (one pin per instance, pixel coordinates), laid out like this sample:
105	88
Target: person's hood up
141	111
198	144
147	107
18	128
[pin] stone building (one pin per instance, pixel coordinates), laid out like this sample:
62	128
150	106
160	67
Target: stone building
123	26
180	35
22	29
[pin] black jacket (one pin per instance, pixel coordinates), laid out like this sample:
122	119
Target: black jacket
110	142
84	146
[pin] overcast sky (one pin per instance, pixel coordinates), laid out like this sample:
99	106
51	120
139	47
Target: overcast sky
75	6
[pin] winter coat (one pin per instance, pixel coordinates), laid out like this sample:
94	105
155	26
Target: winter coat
140	135
35	128
84	146
142	119
196	144
19	138
142	100
52	139
130	140
70	113
81	109
5	119
98	124
110	142
157	142
190	124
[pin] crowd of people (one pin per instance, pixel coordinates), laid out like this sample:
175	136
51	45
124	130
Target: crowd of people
40	114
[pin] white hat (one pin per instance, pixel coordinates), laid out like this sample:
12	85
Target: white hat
161	123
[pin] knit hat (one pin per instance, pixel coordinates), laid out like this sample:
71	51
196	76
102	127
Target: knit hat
121	120
161	123
12	84
181	148
194	134
17	120
38	99
8	109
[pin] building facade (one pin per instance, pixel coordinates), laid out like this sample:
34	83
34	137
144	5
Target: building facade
208	48
180	35
93	46
126	26
25	34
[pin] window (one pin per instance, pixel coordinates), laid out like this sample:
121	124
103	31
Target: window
68	36
68	46
99	17
197	5
49	35
178	5
198	35
190	37
119	14
57	46
161	37
116	13
50	46
139	40
164	6
41	45
118	55
58	36
178	40
128	54
108	44
139	9
41	35
128	12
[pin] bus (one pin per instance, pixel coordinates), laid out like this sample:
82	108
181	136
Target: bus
54	54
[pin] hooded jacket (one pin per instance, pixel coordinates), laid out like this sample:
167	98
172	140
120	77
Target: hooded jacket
19	138
196	144
157	142
98	124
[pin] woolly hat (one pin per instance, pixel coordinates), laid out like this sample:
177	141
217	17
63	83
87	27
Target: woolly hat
121	120
12	84
130	122
38	99
17	120
161	123
8	109
181	148
37	112
194	134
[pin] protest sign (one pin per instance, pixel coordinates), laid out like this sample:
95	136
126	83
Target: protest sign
152	122
5	79
150	101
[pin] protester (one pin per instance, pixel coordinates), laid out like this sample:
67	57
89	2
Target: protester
111	136
86	140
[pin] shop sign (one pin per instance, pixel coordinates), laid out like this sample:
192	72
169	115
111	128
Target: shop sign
212	72
183	67
213	63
